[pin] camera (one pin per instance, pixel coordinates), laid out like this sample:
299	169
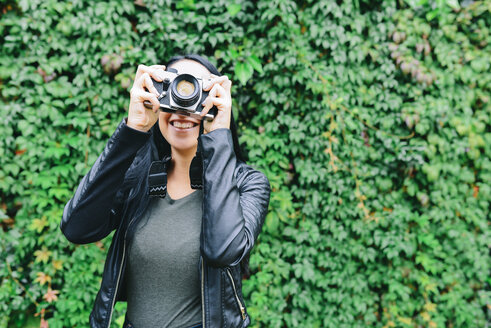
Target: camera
182	94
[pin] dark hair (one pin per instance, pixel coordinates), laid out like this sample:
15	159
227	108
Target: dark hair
164	146
213	70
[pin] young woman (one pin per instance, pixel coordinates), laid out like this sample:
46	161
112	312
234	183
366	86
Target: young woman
176	259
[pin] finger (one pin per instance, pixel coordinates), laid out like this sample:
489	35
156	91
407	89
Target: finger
142	96
218	102
209	84
218	80
155	71
205	109
206	126
158	67
227	85
146	81
217	91
208	103
140	70
220	91
212	100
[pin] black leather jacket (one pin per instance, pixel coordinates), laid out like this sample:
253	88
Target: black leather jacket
114	194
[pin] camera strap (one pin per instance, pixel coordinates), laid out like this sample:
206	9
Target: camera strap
157	177
196	167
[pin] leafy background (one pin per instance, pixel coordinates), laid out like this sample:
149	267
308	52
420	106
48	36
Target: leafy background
370	118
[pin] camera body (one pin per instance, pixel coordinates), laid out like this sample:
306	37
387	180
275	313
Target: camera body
183	94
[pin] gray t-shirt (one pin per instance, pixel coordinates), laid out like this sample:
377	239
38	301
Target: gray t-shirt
162	277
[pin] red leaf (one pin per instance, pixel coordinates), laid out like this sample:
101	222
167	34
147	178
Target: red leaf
51	295
476	191
20	151
44	324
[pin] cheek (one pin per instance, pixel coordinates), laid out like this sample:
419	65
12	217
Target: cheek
164	122
164	116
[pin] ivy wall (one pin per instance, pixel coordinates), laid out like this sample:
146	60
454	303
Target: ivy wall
370	119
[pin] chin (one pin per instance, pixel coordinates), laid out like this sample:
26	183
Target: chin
184	144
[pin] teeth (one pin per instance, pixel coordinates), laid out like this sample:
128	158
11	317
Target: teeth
180	125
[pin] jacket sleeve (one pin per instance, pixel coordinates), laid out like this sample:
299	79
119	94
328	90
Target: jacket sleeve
233	211
94	210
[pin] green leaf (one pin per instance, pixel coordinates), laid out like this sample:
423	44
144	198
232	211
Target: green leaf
432	14
255	63
233	9
233	53
453	3
186	5
272	223
243	71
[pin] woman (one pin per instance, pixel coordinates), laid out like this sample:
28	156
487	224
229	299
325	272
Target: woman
175	258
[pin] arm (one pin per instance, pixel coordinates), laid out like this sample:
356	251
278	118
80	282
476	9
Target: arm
95	209
233	211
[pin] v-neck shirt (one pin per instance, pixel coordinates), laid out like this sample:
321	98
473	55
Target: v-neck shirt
162	277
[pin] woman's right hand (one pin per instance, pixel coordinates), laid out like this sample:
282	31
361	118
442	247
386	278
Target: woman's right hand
139	117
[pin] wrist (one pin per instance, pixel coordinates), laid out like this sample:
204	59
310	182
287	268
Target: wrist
138	127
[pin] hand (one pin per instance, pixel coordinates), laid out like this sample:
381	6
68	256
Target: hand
139	117
220	97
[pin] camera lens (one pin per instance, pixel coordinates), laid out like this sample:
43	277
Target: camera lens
185	90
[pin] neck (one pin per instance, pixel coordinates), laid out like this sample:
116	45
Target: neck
180	164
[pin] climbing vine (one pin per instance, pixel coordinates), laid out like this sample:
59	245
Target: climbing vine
370	119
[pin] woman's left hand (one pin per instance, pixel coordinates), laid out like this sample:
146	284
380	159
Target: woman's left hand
220	96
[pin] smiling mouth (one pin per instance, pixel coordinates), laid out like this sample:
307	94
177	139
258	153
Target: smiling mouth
183	125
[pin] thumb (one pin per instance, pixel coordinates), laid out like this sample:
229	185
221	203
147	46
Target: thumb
206	126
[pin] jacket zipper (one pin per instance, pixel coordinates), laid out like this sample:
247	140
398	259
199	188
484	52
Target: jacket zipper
120	267
119	274
242	309
117	283
203	292
199	151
